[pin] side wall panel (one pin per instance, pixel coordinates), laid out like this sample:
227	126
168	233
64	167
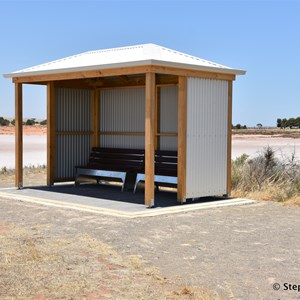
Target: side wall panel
168	116
207	106
122	110
73	115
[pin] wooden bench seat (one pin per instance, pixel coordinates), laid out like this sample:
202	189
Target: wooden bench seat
111	163
165	169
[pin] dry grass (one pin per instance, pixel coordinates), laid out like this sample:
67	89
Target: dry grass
267	178
33	176
36	265
291	133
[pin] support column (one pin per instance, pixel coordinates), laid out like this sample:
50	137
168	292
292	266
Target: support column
157	116
96	118
182	129
18	135
229	141
51	133
149	139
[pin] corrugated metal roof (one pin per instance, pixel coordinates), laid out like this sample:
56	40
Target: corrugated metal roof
146	54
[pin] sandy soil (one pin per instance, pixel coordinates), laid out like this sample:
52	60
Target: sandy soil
27	130
236	252
39	261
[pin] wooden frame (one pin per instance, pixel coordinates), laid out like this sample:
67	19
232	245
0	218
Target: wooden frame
150	139
96	118
19	135
157	115
99	79
123	71
229	139
182	129
51	136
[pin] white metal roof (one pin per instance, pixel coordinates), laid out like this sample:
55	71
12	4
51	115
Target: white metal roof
146	54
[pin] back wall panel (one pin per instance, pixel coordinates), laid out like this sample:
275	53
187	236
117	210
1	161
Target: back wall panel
73	114
122	110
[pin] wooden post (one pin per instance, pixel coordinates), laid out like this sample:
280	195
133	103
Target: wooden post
149	139
51	133
229	133
18	135
182	128
96	118
157	115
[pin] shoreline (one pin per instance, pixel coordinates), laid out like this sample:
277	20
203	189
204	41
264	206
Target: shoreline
236	133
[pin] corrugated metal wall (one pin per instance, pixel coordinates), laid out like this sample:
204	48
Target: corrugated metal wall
168	116
73	114
207	106
122	110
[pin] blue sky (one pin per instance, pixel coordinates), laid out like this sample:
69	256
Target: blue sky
262	37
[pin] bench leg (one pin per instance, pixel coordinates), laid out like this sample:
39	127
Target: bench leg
139	177
157	187
76	181
135	186
123	182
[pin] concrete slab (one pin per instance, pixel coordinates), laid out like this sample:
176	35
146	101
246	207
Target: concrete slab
109	200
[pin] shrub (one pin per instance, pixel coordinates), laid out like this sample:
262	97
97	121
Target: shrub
30	122
266	177
4	122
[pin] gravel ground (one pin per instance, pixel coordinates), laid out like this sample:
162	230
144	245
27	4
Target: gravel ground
239	252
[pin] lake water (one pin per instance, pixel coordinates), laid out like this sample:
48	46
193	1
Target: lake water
35	148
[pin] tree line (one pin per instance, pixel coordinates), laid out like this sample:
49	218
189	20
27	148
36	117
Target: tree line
5	122
288	123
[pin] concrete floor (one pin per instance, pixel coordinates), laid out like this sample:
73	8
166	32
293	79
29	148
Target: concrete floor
110	200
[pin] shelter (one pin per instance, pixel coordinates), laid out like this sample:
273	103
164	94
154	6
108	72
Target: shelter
144	97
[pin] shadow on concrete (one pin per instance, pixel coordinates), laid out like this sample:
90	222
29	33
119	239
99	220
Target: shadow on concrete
104	193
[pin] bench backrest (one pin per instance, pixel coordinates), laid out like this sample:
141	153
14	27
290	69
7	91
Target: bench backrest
166	163
133	160
117	159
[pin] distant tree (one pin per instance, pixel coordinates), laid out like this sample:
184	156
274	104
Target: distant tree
291	122
284	123
244	127
279	123
259	125
43	122
298	122
4	122
13	122
30	122
238	126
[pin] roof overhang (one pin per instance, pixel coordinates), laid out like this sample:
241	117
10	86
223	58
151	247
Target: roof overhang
149	62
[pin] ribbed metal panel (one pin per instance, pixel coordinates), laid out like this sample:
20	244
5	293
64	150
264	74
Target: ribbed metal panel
73	109
168	116
207	106
71	150
168	143
122	141
122	110
73	114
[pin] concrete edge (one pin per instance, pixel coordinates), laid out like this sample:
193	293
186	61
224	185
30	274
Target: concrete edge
116	213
